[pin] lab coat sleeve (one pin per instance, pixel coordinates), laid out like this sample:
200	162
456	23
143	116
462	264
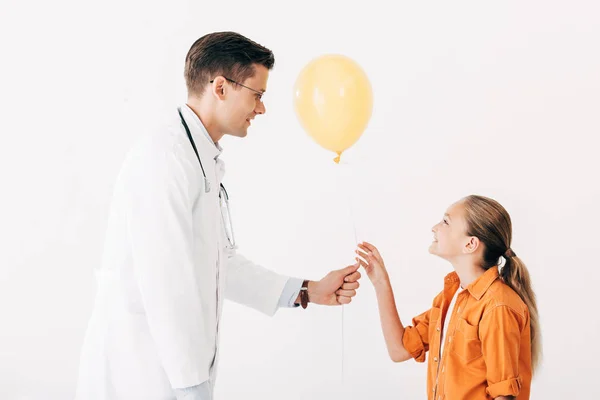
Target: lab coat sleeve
159	217
253	285
290	293
199	392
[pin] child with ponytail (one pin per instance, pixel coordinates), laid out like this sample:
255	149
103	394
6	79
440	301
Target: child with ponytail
482	331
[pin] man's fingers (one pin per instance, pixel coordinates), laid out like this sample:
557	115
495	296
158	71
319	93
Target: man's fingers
346	293
350	285
343	299
350	269
353	277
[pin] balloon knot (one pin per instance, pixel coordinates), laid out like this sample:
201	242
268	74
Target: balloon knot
337	159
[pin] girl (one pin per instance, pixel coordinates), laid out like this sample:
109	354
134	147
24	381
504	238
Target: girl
482	331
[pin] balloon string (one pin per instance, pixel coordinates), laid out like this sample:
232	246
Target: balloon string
343	344
348	193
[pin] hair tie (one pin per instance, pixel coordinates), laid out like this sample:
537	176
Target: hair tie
509	253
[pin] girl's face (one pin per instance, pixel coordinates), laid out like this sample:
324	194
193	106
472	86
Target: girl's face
450	239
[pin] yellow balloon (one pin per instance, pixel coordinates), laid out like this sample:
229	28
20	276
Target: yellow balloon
333	100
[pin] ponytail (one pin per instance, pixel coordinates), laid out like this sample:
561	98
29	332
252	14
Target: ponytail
515	274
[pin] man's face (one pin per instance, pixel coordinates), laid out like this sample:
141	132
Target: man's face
241	104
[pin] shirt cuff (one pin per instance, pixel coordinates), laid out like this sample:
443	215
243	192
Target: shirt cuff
509	387
413	343
202	391
290	293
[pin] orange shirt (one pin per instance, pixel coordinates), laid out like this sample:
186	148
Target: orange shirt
487	352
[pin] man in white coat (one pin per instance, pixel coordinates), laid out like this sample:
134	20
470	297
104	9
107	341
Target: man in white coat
170	258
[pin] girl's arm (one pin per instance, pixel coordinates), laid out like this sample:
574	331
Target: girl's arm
393	330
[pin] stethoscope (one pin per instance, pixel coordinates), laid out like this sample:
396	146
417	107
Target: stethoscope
223	195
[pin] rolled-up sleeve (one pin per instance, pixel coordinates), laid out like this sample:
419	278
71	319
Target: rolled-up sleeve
416	337
501	330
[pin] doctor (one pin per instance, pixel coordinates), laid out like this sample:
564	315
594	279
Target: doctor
170	254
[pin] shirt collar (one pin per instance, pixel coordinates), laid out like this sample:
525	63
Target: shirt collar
450	281
199	133
479	286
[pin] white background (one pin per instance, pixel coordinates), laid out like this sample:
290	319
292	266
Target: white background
494	98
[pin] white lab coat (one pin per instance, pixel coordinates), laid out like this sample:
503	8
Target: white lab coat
166	266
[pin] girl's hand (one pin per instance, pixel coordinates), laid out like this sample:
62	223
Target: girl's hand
373	264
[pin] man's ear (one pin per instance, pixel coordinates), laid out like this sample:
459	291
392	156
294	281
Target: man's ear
219	87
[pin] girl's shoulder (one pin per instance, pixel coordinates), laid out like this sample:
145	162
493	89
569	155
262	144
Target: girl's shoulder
500	294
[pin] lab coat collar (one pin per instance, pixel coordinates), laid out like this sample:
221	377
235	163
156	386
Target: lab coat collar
200	134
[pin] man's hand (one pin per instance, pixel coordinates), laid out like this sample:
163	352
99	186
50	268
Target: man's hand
337	287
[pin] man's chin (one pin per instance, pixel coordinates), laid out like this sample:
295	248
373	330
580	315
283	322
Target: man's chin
240	134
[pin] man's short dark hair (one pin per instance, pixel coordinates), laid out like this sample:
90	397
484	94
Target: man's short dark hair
228	54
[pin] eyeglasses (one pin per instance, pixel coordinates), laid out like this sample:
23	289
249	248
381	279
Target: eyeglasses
259	92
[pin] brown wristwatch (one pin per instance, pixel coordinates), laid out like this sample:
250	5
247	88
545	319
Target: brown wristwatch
304	294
